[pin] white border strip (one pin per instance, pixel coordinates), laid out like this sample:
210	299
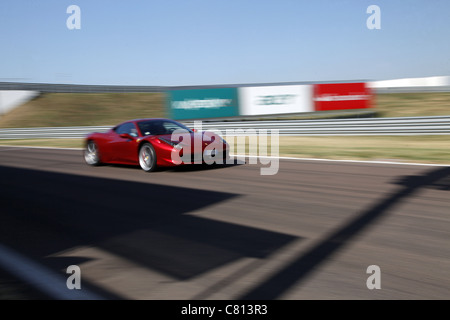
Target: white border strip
343	160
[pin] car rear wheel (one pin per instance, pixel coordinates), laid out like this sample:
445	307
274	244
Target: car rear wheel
91	154
147	157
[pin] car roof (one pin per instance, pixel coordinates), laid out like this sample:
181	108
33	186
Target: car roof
140	120
144	119
148	119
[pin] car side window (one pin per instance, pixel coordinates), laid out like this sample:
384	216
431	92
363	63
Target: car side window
128	127
151	128
170	127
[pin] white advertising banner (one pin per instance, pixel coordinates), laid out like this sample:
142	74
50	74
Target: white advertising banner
275	99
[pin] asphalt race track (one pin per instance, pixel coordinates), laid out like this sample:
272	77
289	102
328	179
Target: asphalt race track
227	232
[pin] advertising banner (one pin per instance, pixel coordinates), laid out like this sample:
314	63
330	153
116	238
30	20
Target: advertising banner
341	96
203	103
266	100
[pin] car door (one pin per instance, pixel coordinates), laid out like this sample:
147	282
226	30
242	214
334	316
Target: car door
123	148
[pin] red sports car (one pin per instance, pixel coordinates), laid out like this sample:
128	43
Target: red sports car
154	142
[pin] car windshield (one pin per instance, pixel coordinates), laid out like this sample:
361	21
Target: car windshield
157	127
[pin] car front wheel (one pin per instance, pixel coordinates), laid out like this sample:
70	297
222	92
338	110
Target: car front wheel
147	157
91	154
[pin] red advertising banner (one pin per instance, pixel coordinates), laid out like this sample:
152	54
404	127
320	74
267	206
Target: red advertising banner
341	96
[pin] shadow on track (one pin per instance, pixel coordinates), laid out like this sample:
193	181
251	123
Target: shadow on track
45	213
298	270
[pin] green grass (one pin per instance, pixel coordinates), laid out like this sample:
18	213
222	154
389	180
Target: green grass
413	104
430	149
84	109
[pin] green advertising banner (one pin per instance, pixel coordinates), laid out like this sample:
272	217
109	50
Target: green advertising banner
203	103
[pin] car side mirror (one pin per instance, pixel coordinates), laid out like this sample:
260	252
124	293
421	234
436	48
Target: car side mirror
125	136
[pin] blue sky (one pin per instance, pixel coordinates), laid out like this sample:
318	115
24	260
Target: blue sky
202	42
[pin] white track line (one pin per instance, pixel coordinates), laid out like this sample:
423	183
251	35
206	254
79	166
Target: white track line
41	278
351	161
33	147
281	158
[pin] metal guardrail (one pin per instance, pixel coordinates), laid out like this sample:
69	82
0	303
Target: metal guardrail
438	125
374	126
